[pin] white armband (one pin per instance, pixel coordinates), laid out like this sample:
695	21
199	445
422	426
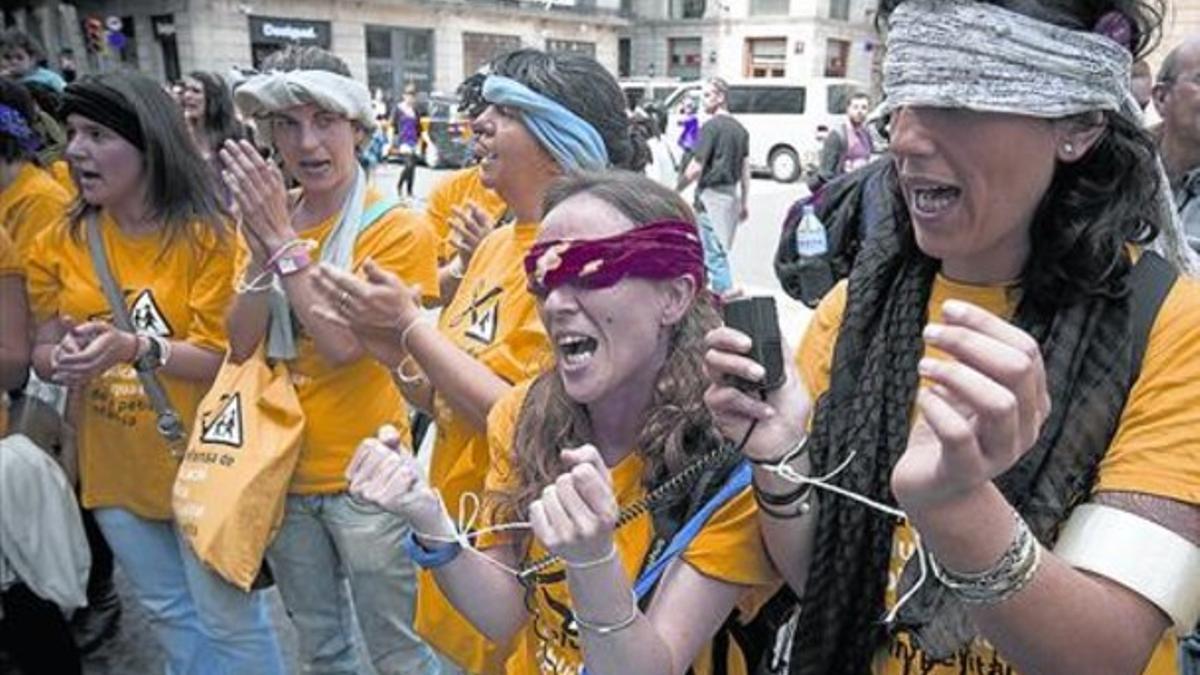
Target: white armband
1143	556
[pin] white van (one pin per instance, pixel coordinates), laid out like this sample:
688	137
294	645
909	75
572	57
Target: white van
787	119
641	91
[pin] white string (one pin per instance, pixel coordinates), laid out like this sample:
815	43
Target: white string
260	283
784	471
469	508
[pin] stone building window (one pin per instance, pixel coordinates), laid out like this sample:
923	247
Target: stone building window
479	48
837	53
684	58
687	9
769	7
766	57
577	46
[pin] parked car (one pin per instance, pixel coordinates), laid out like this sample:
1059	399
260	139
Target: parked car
445	135
448	134
787	119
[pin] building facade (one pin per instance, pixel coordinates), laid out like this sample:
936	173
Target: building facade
387	43
739	39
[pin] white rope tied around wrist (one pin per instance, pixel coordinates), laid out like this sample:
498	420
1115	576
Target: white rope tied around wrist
469	508
784	471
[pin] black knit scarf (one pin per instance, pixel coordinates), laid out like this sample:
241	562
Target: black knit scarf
1086	349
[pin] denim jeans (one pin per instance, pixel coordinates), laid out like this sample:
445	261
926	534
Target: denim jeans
325	542
1189	654
204	624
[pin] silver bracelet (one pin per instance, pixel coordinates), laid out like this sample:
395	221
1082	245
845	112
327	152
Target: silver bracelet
1011	573
609	629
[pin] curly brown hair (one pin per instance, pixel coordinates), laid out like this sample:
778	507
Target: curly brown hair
677	427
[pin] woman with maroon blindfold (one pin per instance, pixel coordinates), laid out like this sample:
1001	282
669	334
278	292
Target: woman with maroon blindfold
546	115
575	508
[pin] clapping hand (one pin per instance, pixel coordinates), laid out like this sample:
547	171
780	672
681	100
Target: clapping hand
376	307
470	225
260	194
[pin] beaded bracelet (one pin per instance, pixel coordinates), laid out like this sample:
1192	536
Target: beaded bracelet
1011	573
609	629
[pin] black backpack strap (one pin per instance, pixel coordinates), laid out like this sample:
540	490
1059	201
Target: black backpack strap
1149	283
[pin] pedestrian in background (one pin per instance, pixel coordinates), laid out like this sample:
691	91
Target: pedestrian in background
847	147
1177	100
406	125
720	167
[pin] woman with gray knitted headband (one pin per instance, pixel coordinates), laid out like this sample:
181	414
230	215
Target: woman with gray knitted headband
986	458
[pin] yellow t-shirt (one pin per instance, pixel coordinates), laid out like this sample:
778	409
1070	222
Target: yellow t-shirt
344	405
10	266
1154	451
493	318
728	548
31	203
61	172
459	189
10	261
180	293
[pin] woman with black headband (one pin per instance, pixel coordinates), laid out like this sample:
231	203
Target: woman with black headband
547	114
643	530
150	203
1001	470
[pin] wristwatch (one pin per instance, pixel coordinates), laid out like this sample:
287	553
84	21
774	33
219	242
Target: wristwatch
293	262
155	356
430	559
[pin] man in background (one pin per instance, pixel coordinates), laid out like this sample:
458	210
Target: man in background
1177	99
719	164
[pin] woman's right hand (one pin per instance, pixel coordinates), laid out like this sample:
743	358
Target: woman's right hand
470	225
260	193
781	419
386	474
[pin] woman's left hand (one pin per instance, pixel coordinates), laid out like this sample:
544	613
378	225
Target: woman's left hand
577	513
260	194
982	411
377	302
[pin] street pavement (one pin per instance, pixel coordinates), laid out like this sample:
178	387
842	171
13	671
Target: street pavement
133	651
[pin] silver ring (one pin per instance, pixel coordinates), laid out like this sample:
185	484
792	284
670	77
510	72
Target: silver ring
342	300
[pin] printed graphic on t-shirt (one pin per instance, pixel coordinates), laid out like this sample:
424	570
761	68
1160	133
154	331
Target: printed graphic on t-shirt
554	627
226	427
482	316
147	318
